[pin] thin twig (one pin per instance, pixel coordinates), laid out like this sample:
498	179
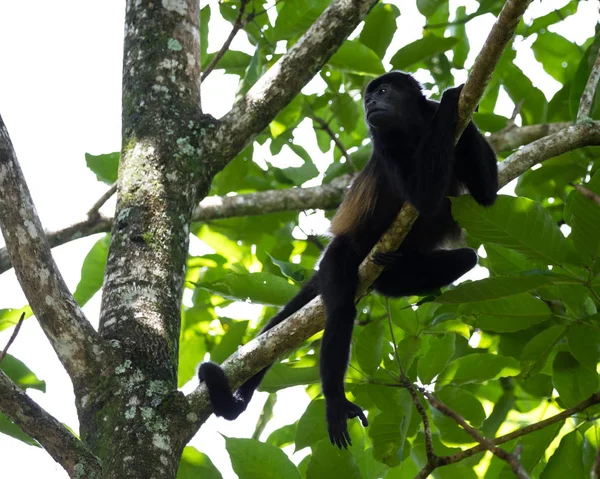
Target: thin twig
586	192
510	459
460	21
237	26
94	211
587	98
13	336
567	413
327	129
431	457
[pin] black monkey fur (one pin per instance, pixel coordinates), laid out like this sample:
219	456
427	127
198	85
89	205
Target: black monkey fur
414	158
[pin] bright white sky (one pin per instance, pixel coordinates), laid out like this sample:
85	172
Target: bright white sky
60	94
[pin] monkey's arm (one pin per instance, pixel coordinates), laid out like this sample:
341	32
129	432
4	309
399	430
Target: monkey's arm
431	166
476	165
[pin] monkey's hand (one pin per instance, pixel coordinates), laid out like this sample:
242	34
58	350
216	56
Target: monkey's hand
449	103
338	411
387	259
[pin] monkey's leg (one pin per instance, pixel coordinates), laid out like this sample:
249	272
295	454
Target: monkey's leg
339	276
406	274
228	405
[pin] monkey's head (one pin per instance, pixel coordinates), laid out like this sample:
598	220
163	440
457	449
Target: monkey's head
391	99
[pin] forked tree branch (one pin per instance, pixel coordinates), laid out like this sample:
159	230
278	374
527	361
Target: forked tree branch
510	458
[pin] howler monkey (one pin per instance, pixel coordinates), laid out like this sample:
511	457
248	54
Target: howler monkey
414	159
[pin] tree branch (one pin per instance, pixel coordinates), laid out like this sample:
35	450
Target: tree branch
512	138
570	138
511	459
587	99
77	345
567	413
56	439
284	80
12	338
239	23
485	63
94	210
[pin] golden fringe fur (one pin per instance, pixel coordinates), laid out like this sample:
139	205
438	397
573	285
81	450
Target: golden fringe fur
358	204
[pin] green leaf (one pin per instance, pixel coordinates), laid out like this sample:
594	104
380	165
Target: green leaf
494	288
354	57
256	68
567	460
459	31
379	28
92	271
285	375
510	314
21	375
232	62
204	28
329	461
388	431
284	436
104	166
559	56
287	118
11	429
553	176
538	349
516	223
299	175
385	398
421	50
584	344
194	464
477	368
369	466
520	89
311	426
543	22
9	317
263	288
296	17
252	459
584	218
441	349
501	260
296	272
572	380
428	7
464	403
230	341
369	347
345	110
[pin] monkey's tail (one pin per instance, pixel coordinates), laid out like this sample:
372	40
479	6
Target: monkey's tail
228	405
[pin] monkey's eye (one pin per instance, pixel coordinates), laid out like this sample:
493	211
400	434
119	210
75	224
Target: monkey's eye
382	91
